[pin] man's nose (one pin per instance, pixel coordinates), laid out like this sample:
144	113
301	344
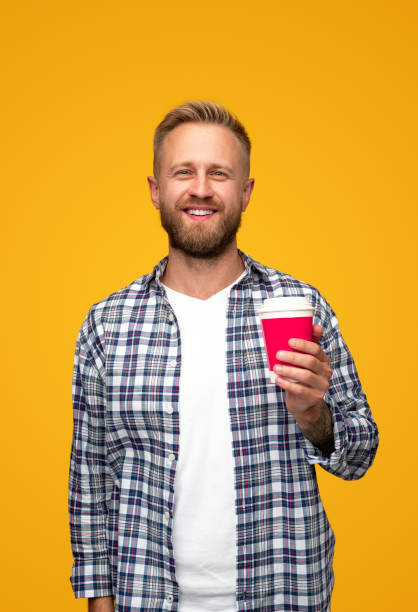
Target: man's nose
200	187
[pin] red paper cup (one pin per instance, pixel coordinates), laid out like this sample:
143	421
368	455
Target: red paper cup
283	318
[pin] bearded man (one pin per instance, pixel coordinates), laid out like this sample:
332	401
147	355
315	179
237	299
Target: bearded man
192	477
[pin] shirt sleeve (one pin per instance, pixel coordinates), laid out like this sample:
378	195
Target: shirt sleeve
356	435
89	485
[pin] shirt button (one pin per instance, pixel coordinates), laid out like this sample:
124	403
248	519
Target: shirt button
168	409
171	457
167	515
171	317
172	363
169	598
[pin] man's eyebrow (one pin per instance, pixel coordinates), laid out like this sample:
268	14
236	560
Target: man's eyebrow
186	163
189	164
221	166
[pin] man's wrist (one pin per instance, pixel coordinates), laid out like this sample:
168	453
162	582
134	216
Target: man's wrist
101	604
319	428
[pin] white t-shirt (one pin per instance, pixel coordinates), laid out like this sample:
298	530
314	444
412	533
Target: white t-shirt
204	522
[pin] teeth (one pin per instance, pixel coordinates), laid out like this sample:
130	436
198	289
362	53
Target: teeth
200	213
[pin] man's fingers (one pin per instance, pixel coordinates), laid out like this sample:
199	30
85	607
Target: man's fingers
311	348
304	374
297	375
303	360
312	395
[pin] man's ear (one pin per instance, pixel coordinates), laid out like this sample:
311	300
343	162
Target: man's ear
154	191
246	193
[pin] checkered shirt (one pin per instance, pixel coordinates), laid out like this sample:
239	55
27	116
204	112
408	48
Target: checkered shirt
126	443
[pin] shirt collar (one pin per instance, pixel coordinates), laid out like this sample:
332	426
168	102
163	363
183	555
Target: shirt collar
252	266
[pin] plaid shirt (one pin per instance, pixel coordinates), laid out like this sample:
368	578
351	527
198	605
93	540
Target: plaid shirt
126	442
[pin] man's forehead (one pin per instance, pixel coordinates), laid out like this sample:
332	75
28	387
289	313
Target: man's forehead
200	141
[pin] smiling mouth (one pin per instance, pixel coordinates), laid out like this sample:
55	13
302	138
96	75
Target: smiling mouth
199	213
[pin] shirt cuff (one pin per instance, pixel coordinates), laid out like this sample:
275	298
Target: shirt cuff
91	578
315	455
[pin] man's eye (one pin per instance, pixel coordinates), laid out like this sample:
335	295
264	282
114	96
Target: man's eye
219	173
182	171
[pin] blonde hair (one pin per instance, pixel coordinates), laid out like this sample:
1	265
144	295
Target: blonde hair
200	111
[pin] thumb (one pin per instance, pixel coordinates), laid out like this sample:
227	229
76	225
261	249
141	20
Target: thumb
316	333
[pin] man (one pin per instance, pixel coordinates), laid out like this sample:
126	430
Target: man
192	477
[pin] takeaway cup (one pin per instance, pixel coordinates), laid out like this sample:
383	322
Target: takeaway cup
283	318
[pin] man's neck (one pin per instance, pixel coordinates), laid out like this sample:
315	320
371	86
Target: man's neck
202	278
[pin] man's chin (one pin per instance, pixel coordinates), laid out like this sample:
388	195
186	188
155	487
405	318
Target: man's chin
212	251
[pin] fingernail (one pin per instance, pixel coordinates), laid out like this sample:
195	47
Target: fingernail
281	355
278	368
293	342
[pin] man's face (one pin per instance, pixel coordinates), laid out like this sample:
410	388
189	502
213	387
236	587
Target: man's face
201	190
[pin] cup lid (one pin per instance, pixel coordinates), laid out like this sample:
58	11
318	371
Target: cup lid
286	303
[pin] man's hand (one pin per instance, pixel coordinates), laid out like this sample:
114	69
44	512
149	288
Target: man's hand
304	398
101	604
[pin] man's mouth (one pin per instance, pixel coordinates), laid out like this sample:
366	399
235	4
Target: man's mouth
199	212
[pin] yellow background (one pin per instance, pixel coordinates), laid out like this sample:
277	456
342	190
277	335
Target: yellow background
328	93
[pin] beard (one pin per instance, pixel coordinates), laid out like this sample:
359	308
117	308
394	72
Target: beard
200	241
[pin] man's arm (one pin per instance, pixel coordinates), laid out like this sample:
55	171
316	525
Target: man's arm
327	392
89	485
305	387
